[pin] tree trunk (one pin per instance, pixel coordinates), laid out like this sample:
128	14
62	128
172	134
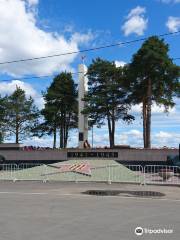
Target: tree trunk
64	135
148	116
67	130
61	136
54	138
17	136
17	130
113	131
148	127
1	137
110	133
144	122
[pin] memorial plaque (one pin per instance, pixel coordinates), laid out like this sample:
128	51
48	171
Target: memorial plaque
92	154
81	136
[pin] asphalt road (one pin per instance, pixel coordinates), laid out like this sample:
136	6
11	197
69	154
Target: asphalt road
37	211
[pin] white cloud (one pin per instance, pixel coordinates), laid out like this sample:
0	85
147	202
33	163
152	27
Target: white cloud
163	138
120	63
136	22
35	141
155	109
82	38
21	38
173	24
134	138
10	87
163	135
160	120
136	11
33	2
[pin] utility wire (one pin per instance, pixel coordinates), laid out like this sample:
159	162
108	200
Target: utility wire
87	50
80	51
36	77
47	76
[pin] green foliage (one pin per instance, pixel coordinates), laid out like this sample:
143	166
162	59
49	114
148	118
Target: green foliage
106	99
2	117
152	62
21	115
60	110
152	77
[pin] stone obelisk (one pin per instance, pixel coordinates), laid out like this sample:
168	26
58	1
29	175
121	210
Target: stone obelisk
82	119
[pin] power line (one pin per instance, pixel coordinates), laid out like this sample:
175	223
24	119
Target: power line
33	77
87	50
36	77
52	75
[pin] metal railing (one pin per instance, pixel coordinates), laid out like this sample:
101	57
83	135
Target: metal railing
7	171
149	174
19	172
159	174
126	173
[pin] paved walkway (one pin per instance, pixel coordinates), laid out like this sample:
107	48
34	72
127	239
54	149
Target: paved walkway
33	210
61	188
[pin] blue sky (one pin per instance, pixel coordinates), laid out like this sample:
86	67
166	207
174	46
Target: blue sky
33	28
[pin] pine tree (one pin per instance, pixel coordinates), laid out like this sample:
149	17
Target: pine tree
60	112
152	77
106	99
21	115
3	105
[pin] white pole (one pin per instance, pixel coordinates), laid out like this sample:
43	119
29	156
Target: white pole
82	119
